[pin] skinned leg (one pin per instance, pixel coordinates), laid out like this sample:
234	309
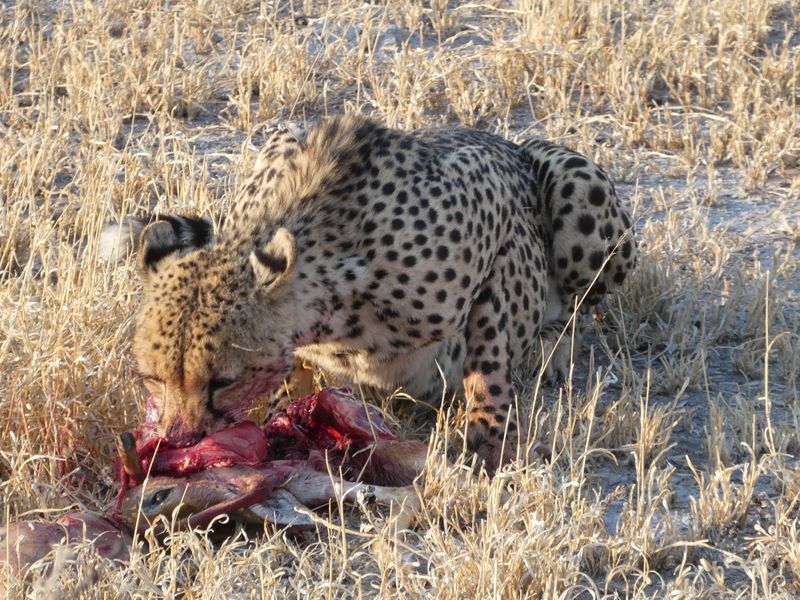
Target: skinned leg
313	488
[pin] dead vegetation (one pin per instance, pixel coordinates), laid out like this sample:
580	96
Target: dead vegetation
673	471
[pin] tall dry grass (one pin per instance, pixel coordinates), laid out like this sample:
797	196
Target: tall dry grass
673	470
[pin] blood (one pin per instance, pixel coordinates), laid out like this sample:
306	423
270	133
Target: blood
329	429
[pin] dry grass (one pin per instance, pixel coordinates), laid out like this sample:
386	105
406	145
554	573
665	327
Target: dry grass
674	470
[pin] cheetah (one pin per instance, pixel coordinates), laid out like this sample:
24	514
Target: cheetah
390	259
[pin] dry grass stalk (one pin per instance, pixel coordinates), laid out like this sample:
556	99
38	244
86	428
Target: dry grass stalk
673	469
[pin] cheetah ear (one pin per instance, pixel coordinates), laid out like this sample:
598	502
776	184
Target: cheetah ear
273	263
172	236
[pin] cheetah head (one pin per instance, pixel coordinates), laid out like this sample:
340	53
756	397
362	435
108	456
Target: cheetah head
213	330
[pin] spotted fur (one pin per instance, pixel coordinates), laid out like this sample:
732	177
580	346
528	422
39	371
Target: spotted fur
386	258
590	242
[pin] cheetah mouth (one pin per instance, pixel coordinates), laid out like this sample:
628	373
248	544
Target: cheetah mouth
234	415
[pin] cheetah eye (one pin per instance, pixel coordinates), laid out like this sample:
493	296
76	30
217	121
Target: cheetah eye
214	386
219	384
151	380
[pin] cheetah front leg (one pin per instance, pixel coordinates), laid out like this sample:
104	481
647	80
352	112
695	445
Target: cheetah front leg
492	428
558	338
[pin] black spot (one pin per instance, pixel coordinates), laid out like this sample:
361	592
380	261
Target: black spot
567	191
484	296
586	224
575	162
388	188
626	249
577	253
597	196
596	260
488	367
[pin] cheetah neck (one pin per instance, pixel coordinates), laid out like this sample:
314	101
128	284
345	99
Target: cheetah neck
318	297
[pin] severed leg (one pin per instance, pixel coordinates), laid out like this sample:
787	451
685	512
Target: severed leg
280	509
313	488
